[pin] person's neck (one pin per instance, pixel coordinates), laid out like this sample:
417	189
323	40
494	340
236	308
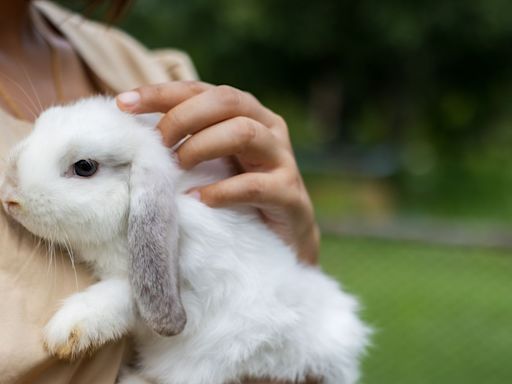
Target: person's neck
16	29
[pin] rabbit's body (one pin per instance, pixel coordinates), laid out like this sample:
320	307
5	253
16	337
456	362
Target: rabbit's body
252	309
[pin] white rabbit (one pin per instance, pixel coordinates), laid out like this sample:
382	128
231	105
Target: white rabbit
232	295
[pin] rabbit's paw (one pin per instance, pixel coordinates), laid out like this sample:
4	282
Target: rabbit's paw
68	349
76	330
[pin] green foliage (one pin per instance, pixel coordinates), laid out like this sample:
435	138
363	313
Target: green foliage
419	89
435	70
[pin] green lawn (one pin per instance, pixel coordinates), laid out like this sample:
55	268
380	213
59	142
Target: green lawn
441	314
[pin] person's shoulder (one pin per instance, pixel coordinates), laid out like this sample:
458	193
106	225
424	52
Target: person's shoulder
108	42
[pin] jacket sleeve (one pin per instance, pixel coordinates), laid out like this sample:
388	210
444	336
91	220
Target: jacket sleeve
176	63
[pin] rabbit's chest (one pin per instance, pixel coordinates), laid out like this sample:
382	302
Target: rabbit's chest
108	259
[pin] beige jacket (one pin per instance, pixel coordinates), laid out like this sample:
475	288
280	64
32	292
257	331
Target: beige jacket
32	282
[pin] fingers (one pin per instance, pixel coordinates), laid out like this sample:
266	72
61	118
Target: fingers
252	142
224	121
253	188
159	97
208	108
282	200
191	106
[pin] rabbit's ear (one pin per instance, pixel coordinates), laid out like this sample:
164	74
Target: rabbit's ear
153	243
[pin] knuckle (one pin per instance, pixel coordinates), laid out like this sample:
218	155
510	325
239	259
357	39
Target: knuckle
287	160
292	197
299	182
229	96
195	87
280	121
255	189
293	180
245	133
175	120
291	184
293	201
172	127
158	90
251	97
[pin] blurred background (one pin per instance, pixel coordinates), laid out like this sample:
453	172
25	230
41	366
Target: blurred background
400	115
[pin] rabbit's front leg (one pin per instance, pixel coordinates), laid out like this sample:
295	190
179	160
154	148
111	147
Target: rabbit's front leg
87	320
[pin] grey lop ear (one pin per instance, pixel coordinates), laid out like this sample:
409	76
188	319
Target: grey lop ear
153	243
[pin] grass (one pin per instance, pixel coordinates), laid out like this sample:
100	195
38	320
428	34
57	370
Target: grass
442	314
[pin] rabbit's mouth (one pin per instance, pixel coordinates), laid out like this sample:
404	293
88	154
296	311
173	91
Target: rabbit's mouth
21	211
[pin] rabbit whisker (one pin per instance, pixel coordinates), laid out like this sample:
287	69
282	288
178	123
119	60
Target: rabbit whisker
28	260
41	109
20	87
67	245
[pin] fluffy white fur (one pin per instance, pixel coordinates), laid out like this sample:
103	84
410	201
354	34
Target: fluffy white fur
252	308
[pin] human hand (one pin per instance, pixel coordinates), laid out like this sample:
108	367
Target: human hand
224	121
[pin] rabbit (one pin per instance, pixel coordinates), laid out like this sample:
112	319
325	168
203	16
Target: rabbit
209	295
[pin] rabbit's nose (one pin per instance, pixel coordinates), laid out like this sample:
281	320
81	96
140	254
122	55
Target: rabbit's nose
10	206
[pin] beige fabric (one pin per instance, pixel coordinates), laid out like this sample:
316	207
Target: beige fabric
31	282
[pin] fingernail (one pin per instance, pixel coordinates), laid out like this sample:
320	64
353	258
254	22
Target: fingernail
195	194
129	99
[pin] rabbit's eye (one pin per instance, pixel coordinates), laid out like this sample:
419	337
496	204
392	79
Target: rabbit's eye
85	168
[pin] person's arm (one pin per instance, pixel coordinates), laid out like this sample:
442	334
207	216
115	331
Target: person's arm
225	121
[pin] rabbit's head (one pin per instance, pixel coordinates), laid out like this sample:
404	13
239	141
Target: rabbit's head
89	174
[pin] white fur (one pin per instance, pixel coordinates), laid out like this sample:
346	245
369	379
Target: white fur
252	308
101	313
